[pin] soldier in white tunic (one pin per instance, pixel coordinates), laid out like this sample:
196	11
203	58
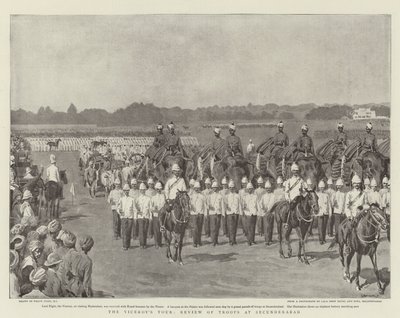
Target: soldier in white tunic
250	212
373	196
324	203
216	208
157	203
232	211
266	203
207	191
338	204
198	205
259	193
142	214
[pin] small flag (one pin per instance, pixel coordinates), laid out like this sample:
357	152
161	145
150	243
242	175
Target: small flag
72	190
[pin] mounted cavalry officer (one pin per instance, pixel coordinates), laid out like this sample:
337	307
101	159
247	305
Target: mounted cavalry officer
233	144
218	145
280	140
158	144
294	187
354	204
304	143
172	186
53	174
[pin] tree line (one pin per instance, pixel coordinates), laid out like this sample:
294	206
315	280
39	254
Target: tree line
145	114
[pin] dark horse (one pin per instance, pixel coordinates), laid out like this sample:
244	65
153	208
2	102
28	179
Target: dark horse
53	144
53	195
299	218
175	225
363	241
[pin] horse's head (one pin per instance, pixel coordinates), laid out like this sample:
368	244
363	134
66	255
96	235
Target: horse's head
63	176
378	217
182	203
311	202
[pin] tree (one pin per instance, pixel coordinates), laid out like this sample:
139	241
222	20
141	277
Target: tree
72	109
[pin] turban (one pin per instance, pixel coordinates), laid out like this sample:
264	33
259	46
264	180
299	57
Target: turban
38	277
42	230
35	245
18	241
14	259
53	259
32	236
69	239
18	229
86	242
54	226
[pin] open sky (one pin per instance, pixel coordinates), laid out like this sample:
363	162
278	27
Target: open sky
198	60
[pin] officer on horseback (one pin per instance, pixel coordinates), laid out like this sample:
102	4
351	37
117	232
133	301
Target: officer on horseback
354	204
217	144
173	142
159	142
53	174
233	142
295	186
304	143
172	186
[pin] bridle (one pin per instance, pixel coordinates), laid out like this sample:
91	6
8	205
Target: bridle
380	224
301	217
178	202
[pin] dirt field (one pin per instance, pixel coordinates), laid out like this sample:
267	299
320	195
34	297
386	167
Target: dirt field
209	272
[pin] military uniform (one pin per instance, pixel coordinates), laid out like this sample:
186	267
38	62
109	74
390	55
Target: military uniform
374	197
216	208
304	144
206	223
232	211
234	146
157	202
198	205
340	141
250	212
126	210
173	144
324	204
260	191
369	142
266	203
218	147
224	223
143	216
338	213
280	141
113	198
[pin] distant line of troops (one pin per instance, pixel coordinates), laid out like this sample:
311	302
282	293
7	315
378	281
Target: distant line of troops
136	209
47	261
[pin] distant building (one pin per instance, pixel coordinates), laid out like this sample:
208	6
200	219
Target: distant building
364	113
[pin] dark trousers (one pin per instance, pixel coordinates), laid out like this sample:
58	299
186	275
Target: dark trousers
126	230
268	226
224	226
331	225
250	222
143	228
242	223
206	225
232	221
322	223
260	226
156	231
197	224
215	222
150	231
337	219
135	229
116	224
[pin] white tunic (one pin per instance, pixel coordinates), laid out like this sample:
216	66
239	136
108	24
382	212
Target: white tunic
250	204
157	202
324	204
52	173
266	203
354	199
338	202
215	204
142	205
198	204
174	185
295	186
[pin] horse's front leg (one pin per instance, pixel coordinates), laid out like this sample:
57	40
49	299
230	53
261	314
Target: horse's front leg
279	228
287	239
374	262
303	238
299	258
358	270
346	275
180	248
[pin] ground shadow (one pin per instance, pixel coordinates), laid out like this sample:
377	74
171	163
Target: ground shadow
322	255
72	217
212	258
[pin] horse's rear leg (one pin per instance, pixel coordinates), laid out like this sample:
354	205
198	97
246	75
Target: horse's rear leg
346	275
279	228
358	270
180	248
287	238
374	262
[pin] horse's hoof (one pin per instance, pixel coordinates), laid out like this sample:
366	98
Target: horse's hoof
181	263
281	256
306	262
300	260
170	260
381	291
358	288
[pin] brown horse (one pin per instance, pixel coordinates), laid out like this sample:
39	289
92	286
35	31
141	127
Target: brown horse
297	215
175	224
364	240
53	195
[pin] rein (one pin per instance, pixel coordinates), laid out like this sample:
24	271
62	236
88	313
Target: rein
376	226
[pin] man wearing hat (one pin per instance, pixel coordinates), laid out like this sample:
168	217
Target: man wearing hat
90	177
367	185
26	208
368	142
373	196
84	269
324	211
38	279
279	141
198	205
385	186
53	286
250	212
385	205
158	144
338	203
330	191
242	193
250	148
295	186
224	191
53	174
51	243
279	192
126	208
265	205
157	202
340	142
126	172
355	199
217	145
113	198
216	208
30	263
233	209
28	174
304	143
142	214
260	191
206	192
134	193
173	142
233	143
